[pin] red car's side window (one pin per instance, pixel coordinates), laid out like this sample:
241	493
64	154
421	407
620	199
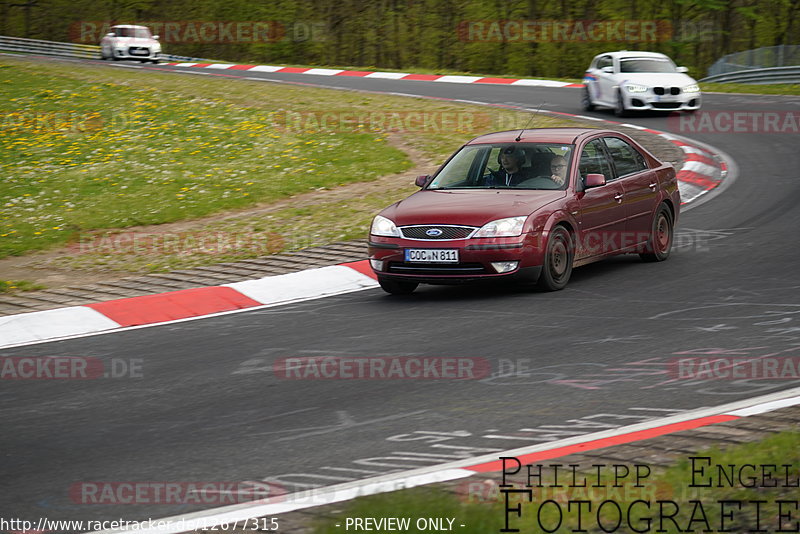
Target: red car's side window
593	160
626	159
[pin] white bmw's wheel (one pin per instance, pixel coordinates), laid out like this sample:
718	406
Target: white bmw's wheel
586	100
619	109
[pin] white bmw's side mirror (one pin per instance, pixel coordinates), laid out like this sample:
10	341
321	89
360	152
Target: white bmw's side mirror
682	69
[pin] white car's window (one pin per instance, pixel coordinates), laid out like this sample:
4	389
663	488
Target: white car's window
141	33
646	65
605	61
627	159
478	167
594	161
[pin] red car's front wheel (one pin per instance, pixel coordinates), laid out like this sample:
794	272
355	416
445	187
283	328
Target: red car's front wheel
397	287
557	266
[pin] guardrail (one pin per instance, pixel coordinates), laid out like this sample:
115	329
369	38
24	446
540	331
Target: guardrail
48	48
765	57
54	48
758	76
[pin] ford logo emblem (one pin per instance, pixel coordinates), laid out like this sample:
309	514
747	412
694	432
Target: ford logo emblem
433	232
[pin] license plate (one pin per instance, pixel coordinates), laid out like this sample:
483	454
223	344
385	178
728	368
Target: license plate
432	255
140	53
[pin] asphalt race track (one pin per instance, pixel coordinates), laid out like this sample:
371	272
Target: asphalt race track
209	407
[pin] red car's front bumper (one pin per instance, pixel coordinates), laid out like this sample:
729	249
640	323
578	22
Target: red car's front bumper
387	257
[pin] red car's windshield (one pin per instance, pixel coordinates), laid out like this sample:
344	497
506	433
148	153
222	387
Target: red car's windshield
506	165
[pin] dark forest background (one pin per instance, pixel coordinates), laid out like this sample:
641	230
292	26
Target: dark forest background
423	34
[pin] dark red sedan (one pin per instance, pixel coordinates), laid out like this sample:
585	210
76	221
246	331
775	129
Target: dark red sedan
527	205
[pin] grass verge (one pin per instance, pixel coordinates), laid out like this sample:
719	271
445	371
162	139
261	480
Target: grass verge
91	151
775	89
664	502
13	286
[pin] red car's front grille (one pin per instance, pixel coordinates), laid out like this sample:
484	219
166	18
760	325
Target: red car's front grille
436	232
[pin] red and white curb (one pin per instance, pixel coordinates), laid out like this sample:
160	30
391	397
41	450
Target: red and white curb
408	76
475	466
112	315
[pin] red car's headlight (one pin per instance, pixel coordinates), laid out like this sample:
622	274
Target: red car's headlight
510	227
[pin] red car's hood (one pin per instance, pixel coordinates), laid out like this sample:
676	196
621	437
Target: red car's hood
474	207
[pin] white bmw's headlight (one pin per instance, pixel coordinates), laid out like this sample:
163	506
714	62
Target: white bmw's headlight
635	88
383	226
510	227
694	88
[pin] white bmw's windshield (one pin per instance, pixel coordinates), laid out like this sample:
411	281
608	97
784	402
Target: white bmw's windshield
646	65
140	33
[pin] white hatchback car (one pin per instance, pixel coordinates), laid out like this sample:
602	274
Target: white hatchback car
640	81
130	42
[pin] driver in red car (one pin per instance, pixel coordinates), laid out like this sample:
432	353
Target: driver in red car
511	172
558	169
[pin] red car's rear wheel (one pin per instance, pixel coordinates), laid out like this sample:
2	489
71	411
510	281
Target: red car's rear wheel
661	236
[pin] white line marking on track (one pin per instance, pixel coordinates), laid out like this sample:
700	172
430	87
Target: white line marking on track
766	407
443	472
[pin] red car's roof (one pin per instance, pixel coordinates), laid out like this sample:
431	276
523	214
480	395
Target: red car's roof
538	135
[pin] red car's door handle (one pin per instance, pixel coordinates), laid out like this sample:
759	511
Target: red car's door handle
653	186
618	197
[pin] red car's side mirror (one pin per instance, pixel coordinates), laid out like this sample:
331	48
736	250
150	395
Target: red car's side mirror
422	180
595	180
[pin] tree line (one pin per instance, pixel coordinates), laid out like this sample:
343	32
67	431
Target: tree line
546	38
